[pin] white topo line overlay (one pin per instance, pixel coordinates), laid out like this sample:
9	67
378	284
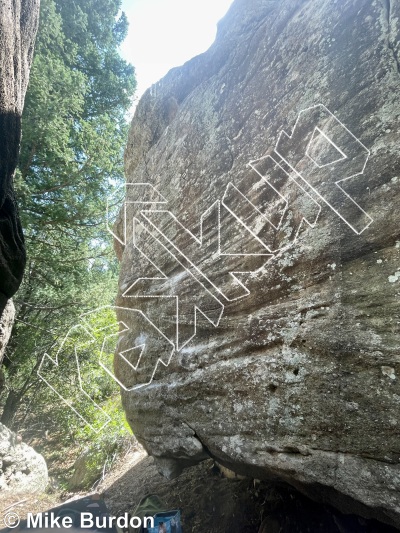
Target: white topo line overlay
284	144
350	162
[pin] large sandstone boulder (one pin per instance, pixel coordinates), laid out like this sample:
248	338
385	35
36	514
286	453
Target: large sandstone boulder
18	26
288	370
22	470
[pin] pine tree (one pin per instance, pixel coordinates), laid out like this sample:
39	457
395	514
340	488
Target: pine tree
74	131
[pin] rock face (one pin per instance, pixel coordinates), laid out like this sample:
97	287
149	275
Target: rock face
18	26
6	324
21	468
289	369
84	476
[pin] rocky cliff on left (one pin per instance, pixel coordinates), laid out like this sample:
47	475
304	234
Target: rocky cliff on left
18	27
21	468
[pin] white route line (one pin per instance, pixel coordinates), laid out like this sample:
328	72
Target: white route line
344	156
188	272
90	400
337	183
303	220
150	187
198	275
135	367
197	270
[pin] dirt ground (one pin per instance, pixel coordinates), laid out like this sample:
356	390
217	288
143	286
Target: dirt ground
209	502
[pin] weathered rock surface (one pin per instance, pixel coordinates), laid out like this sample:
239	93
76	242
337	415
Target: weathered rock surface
21	468
84	475
294	374
6	324
18	26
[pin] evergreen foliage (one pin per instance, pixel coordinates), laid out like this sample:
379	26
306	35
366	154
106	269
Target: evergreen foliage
74	132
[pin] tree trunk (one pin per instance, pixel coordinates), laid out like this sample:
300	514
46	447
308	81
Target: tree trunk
10	408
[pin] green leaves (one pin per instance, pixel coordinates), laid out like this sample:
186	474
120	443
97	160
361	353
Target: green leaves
74	133
97	29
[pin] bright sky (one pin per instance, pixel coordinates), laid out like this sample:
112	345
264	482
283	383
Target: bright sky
166	33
